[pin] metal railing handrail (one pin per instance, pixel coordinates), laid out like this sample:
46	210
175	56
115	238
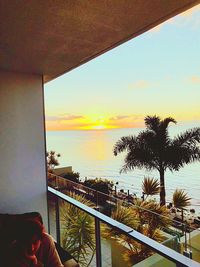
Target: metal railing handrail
166	252
113	197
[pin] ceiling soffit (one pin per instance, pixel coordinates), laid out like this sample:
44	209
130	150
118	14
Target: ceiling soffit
53	37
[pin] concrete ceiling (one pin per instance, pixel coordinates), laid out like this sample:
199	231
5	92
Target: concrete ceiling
51	37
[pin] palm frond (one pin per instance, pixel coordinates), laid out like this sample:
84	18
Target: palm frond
157	216
155	234
181	199
151	213
177	156
125	143
139	154
146	225
165	123
188	138
123	215
78	230
152	122
150	186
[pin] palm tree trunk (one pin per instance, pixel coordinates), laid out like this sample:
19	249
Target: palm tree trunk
162	187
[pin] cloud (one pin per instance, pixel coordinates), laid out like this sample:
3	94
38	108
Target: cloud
141	84
51	118
195	79
67	117
127	121
119	117
72	117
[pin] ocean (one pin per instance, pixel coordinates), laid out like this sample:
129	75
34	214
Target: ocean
91	154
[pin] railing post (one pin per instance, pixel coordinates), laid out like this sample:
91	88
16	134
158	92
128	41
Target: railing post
57	220
97	199
98	242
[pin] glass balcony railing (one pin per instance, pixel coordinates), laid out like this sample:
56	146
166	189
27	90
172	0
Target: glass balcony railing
176	234
80	219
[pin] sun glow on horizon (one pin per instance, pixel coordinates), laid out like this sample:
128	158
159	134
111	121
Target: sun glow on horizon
99	127
105	123
75	122
97	123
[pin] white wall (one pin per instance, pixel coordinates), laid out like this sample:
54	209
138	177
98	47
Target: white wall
22	144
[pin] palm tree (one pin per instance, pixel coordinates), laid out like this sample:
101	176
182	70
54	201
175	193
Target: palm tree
52	160
150	186
154	149
180	199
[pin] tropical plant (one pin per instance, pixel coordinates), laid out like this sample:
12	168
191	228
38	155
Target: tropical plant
137	252
150	186
78	230
147	217
72	176
123	215
154	149
99	184
154	216
52	160
180	199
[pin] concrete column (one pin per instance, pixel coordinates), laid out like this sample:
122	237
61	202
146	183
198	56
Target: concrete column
22	144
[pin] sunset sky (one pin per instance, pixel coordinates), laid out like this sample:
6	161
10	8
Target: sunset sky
155	73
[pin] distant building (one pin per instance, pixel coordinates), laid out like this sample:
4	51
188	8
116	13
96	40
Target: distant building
62	171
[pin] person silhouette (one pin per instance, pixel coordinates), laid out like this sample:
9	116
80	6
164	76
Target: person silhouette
32	246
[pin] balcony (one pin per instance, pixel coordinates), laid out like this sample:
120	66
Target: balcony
111	243
34	49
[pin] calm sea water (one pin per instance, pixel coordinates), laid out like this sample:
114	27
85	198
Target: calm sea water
91	154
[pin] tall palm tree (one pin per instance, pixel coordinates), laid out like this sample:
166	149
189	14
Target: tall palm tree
154	149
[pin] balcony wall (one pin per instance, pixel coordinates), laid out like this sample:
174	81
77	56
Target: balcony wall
22	144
